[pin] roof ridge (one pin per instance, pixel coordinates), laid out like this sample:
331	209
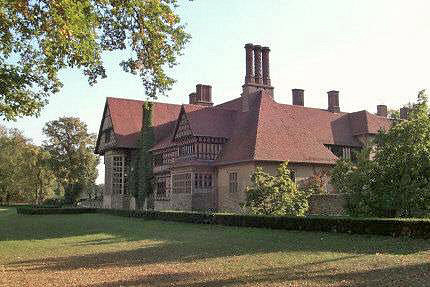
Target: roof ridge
135	100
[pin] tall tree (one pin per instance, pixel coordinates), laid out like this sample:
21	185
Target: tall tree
395	181
39	176
38	38
12	171
71	148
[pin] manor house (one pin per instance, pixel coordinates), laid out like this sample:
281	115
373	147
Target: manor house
204	154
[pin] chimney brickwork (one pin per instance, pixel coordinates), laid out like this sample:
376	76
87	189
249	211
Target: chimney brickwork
257	73
298	97
404	113
249	58
258	66
265	65
382	110
202	96
333	101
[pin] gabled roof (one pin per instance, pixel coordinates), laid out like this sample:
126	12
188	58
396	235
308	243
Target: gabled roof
269	131
126	117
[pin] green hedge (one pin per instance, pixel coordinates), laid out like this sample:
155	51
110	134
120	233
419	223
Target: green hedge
50	210
417	228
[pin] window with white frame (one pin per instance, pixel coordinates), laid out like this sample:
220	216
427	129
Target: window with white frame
117	174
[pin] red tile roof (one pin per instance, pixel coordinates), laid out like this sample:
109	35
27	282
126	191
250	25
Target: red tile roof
268	131
127	120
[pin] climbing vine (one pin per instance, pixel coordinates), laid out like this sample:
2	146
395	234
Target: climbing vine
141	176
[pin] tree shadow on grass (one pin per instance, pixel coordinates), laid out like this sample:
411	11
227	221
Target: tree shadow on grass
410	275
180	242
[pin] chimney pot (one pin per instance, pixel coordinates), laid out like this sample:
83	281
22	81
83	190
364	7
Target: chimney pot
404	113
202	96
249	60
333	101
257	63
298	97
382	110
265	64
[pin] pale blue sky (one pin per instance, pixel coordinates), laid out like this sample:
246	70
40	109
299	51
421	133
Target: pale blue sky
372	51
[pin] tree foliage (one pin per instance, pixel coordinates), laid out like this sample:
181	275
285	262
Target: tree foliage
141	176
71	149
316	183
39	38
392	177
24	173
275	195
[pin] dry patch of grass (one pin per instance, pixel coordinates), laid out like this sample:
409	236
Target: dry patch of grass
101	250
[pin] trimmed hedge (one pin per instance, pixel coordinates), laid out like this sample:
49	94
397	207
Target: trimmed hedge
51	210
416	228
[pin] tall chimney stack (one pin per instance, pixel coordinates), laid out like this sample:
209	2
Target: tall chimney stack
333	101
382	110
265	59
298	97
249	57
404	113
257	63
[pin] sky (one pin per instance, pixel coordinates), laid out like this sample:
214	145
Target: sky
372	51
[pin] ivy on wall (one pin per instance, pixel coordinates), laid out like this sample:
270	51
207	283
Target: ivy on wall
141	176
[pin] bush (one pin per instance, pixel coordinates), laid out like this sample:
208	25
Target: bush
37	210
416	228
53	202
275	195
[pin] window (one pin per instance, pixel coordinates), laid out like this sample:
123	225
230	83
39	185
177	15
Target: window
108	135
346	153
202	180
117	175
162	187
181	183
233	186
187	149
340	151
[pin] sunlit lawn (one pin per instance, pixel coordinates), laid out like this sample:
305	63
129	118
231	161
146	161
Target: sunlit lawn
102	250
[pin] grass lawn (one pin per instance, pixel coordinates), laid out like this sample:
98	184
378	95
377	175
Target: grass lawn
103	250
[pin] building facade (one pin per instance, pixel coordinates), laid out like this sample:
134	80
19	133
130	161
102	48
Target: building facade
204	154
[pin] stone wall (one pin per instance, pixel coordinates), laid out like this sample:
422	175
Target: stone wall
231	201
203	201
327	204
162	205
180	201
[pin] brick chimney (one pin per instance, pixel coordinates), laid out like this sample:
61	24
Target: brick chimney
257	75
404	113
333	101
382	110
202	96
266	65
298	97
